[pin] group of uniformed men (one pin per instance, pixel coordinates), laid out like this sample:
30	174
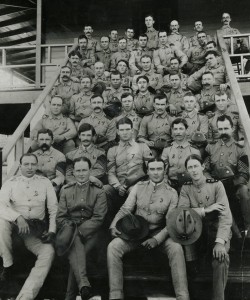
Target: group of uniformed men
131	125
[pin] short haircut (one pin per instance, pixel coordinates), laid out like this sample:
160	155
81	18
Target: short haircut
146	56
171	75
27	155
142	76
219	93
143	35
188	94
116	73
122	60
81	37
122	38
160	97
123	121
215	53
207	73
125	95
156	159
105	36
224	118
174	58
56	96
193	156
86	127
149	15
84	159
131	28
203	32
213	43
96	96
179	121
75	53
68	67
86	76
45	131
162	31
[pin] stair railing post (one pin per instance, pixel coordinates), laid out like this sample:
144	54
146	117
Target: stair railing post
38	42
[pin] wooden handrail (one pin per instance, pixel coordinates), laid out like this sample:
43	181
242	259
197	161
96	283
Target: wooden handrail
31	113
244	116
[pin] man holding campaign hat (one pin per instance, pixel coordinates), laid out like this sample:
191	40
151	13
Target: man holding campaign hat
207	197
141	221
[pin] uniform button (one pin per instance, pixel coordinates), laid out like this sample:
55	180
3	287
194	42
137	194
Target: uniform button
153	191
82	209
29	199
82	218
151	202
222	154
29	209
81	199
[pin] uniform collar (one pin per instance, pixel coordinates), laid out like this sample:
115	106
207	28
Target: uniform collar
68	83
132	113
130	143
148	73
175	33
183	145
120	89
165	46
47	152
81	185
156	184
178	91
163	116
226	27
103	77
88	149
28	179
143	95
190	114
228	143
200	182
106	51
151	30
98	116
58	117
86	93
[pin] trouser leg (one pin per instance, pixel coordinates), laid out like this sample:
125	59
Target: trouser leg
45	255
177	263
116	250
6	243
242	194
72	288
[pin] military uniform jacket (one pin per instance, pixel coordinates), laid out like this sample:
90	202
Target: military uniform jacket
196	55
155	80
132	44
174	157
115	57
59	125
180	41
96	156
193	40
111	92
175	97
104	78
153	202
204	194
228	30
88	57
144	100
133	117
51	164
167	84
154	127
230	155
152	38
206	97
79	71
113	45
85	204
28	197
104	56
135	58
80	106
126	161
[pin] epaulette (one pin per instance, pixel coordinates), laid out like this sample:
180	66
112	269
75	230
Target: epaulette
95	184
211	180
239	145
143	182
69	185
188	183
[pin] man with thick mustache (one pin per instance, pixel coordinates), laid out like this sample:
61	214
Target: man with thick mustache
51	162
226	160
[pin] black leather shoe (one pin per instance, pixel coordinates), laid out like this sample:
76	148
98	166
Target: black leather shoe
86	293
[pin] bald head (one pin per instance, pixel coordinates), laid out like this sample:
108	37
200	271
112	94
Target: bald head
174	26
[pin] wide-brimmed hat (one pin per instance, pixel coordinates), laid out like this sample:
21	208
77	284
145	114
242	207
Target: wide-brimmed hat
65	238
184	225
132	227
114	108
99	88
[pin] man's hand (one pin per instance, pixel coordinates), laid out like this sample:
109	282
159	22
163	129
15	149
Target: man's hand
150	243
122	189
215	207
23	226
150	143
48	237
223	87
219	252
115	232
58	138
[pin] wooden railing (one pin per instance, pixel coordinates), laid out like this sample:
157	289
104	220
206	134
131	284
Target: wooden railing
235	90
16	146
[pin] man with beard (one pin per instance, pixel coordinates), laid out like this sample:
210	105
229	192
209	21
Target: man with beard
88	54
175	154
198	27
66	88
166	51
100	74
180	41
155	80
155	128
80	103
122	53
97	157
104	126
227	160
132	44
77	70
92	43
104	54
51	162
63	128
151	32
136	55
113	41
123	68
115	90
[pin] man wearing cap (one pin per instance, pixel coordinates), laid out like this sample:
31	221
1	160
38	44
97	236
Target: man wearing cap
24	200
122	53
153	200
227	160
97	157
179	41
209	199
51	162
151	32
175	154
132	44
155	80
115	90
104	55
84	204
125	165
100	74
155	128
198	27
80	103
77	70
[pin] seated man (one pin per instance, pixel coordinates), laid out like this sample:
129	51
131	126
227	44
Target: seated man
198	27
100	74
84	204
144	100
162	56
123	68
51	162
132	44
104	126
180	41
222	104
136	55
212	46
175	154
88	54
208	198
122	53
227	160
104	55
113	45
127	100
115	90
155	80
147	199
77	70
63	128
24	200
155	128
80	103
126	163
97	157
